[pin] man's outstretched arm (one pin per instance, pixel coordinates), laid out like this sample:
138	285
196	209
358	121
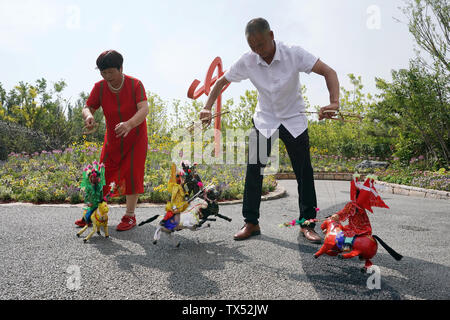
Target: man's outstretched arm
332	81
205	114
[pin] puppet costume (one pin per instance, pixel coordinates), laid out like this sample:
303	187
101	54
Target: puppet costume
124	158
363	197
177	199
355	239
93	192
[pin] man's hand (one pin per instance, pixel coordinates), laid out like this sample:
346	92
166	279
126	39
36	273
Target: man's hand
205	117
122	129
329	111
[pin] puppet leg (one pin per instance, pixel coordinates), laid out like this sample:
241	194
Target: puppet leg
367	266
157	235
106	231
94	229
351	254
82	231
174	241
322	250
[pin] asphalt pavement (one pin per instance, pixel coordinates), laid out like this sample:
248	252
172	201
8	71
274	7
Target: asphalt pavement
41	257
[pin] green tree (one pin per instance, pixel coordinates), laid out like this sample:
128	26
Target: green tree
429	23
416	106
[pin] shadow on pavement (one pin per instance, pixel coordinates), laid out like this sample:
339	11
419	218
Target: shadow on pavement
185	265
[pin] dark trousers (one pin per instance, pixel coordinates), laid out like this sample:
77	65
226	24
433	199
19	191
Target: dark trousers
298	151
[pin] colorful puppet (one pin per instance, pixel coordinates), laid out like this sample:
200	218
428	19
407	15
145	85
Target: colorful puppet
355	238
99	219
97	211
178	202
183	213
92	184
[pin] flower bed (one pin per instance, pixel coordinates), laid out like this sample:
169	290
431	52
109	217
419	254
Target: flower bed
329	163
439	180
326	165
54	177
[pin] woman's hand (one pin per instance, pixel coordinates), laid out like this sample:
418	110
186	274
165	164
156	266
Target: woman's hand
122	129
89	122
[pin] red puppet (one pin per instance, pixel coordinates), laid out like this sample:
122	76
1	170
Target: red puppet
355	239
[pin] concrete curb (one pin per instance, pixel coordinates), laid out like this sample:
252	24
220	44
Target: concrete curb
388	187
342	176
414	191
278	193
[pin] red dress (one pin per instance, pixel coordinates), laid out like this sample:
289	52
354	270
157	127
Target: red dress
124	158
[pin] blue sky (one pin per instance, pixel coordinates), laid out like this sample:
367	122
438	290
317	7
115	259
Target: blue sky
168	44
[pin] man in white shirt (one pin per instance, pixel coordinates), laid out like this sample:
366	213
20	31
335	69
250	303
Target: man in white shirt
273	67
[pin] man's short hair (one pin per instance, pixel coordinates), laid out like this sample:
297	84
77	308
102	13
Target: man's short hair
258	25
109	59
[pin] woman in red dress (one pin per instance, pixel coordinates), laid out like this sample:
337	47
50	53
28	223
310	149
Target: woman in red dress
124	103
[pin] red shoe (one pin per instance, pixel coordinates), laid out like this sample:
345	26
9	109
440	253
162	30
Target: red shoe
127	223
81	223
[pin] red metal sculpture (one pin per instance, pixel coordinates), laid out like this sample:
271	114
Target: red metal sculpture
193	93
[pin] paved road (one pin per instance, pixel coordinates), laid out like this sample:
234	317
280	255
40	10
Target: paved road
40	255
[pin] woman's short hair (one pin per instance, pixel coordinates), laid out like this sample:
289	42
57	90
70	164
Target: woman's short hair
109	59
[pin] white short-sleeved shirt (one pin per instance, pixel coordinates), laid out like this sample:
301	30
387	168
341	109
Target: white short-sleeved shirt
279	90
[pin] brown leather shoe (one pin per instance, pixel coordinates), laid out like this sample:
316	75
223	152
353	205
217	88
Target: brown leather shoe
247	231
310	235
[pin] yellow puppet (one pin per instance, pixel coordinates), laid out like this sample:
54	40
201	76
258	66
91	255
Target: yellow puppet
178	202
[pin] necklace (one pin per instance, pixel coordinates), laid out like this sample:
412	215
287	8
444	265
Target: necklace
120	87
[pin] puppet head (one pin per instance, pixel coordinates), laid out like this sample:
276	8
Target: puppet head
364	194
93	175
